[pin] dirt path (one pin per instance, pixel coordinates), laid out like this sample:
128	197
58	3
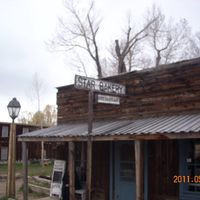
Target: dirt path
3	187
19	194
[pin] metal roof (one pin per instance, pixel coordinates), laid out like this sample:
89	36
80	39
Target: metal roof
187	123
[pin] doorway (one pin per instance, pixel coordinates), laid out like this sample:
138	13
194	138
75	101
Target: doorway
124	171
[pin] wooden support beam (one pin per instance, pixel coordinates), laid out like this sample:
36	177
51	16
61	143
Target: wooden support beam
10	188
13	159
42	153
90	112
25	170
9	176
89	169
71	170
139	169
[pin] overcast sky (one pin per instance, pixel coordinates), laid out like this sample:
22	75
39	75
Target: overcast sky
26	25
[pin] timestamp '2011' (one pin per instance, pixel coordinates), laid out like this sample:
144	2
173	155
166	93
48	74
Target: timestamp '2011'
186	179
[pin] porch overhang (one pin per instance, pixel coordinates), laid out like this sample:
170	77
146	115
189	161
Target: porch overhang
185	126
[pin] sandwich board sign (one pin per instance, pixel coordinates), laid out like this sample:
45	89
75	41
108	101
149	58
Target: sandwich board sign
57	178
86	83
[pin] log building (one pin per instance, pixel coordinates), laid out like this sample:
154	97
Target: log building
20	129
146	148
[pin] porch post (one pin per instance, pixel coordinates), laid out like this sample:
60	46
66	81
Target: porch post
89	144
139	169
42	153
89	168
25	170
71	170
9	176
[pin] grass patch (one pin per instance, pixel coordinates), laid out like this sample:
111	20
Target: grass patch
34	169
4	168
32	192
38	194
4	198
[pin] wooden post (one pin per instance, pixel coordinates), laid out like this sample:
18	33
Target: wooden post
9	176
13	159
139	170
71	170
89	145
42	153
90	112
10	189
89	168
25	170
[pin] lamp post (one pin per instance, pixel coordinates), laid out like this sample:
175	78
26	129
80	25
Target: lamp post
13	110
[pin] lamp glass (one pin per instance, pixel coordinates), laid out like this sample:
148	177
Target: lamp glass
14	108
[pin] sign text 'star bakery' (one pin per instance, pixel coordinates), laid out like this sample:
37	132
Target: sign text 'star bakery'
82	82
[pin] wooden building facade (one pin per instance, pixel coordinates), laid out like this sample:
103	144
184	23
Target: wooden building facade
148	147
20	129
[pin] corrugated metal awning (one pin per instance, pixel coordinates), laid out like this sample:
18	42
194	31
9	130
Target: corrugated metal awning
163	125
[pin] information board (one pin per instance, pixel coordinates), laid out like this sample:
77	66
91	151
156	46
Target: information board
57	178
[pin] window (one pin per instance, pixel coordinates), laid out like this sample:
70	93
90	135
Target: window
194	165
4	153
4	131
25	130
127	171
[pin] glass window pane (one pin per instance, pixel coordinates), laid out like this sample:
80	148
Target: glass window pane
4	131
25	130
4	153
194	165
127	166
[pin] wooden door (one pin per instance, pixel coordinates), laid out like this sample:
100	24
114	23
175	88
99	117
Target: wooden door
124	171
163	162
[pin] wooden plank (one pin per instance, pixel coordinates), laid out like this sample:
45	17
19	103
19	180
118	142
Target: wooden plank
9	176
25	170
71	170
89	169
99	138
139	169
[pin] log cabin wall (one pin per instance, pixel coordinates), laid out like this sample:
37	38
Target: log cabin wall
170	89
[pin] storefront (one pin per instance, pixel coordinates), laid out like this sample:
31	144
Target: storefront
145	148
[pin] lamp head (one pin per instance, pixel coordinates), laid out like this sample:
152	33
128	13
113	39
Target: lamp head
14	108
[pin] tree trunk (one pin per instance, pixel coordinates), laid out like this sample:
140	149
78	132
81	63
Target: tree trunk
158	58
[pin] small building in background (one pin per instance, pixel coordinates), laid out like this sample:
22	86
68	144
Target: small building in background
34	152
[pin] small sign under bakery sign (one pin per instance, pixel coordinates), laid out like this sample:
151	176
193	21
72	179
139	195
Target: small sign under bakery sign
107	99
101	86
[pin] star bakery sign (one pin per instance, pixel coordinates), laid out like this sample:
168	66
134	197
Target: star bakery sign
82	82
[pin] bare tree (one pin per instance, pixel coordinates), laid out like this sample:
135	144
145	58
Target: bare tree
81	33
36	90
166	39
193	48
128	48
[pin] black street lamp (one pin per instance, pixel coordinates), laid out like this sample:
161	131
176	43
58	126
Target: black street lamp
13	110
